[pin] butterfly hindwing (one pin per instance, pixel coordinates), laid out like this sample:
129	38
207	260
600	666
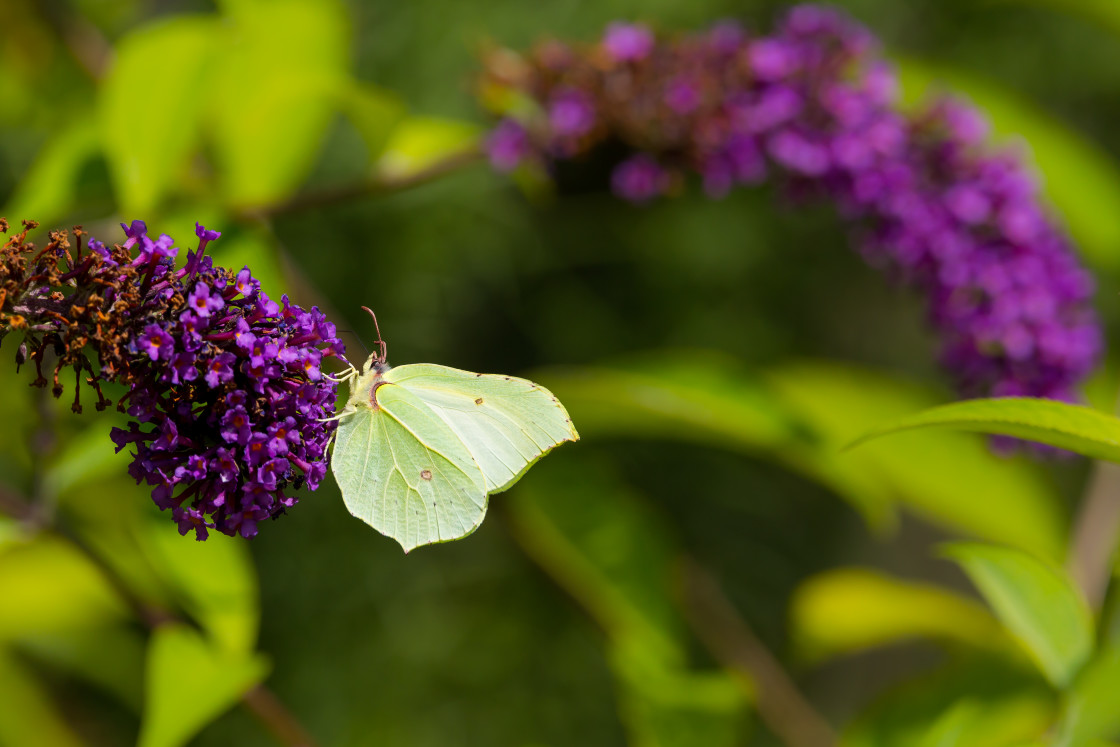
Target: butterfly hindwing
403	472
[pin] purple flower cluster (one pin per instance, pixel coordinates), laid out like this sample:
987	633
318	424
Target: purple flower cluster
814	106
229	382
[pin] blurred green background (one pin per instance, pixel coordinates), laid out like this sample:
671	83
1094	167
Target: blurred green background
714	355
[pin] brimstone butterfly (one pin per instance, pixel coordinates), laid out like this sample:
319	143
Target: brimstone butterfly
419	448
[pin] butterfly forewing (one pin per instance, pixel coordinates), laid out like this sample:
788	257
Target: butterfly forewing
506	423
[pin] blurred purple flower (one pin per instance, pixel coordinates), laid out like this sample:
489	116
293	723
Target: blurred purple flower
639	179
627	42
813	104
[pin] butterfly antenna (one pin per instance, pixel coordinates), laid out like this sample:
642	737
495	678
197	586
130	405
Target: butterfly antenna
354	334
383	348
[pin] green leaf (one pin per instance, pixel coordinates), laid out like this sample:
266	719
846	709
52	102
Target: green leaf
951	479
51	587
420	142
986	702
28	715
273	94
799	416
255	251
190	683
705	398
1080	177
87	458
214	581
1091	707
108	657
1066	426
668	706
849	610
374	112
950	728
1037	603
150	108
46	192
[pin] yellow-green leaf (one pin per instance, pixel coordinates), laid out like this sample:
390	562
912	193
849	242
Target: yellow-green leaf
50	586
1066	426
46	192
150	107
420	142
273	93
214	581
28	714
190	683
848	610
1037	603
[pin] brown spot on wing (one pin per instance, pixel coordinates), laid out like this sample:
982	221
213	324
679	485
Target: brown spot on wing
478	401
426	474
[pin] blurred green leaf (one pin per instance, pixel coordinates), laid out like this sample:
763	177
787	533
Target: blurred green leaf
853	609
665	706
109	657
986	702
273	92
46	191
597	540
950	729
954	481
1036	602
374	112
87	458
705	398
28	716
1091	708
256	251
420	142
189	683
10	531
151	105
49	586
214	581
1081	178
800	416
106	514
592	534
1066	426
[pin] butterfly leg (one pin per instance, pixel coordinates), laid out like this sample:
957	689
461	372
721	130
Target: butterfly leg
348	410
347	375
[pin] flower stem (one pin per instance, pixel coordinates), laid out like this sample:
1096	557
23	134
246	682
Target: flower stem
1095	532
1096	529
369	187
781	706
